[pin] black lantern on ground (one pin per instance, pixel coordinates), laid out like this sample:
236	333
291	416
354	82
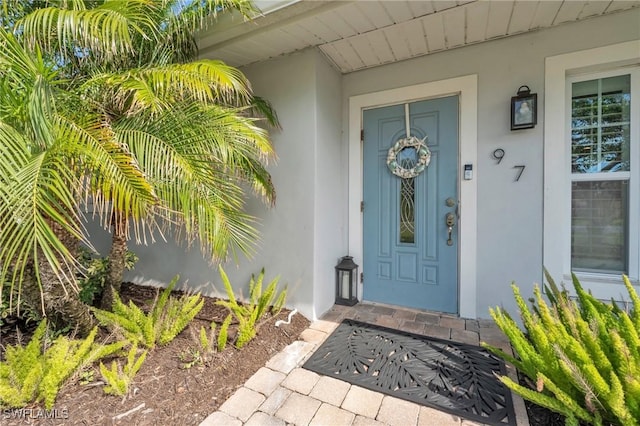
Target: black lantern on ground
346	282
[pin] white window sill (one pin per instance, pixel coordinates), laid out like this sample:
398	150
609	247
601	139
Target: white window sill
602	286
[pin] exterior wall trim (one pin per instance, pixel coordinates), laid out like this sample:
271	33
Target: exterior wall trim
466	88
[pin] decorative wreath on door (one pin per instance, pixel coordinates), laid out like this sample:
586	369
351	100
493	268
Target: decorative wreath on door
422	152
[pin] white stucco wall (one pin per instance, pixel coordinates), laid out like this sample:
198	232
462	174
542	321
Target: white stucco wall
509	213
330	236
304	233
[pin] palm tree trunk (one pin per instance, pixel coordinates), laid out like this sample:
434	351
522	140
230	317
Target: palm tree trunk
62	306
117	261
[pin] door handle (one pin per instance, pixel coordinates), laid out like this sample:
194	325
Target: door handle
450	221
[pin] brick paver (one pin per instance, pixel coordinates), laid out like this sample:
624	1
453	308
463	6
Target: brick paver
471	325
386	321
398	412
322	325
465	336
275	400
301	381
265	381
362	401
414	327
366	421
383	310
289	358
298	409
429	417
437	331
330	390
329	414
313	336
262	419
456	323
486	323
333	316
404	315
242	403
219	418
369	317
427	318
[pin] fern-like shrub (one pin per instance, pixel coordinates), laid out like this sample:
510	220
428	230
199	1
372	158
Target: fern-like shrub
167	318
36	372
205	347
583	354
118	379
223	334
250	314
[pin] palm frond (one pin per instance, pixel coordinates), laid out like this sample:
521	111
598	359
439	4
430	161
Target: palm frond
113	173
196	159
108	28
192	16
262	108
158	88
29	79
35	191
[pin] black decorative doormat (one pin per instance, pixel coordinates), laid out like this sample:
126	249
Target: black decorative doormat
448	376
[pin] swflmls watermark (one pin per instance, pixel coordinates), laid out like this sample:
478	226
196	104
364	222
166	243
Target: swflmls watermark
35	413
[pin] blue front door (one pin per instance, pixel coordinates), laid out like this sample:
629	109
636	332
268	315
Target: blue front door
410	251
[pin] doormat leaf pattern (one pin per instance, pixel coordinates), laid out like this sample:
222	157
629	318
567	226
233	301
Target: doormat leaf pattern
448	376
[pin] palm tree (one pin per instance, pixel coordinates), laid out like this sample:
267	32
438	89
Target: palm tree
102	103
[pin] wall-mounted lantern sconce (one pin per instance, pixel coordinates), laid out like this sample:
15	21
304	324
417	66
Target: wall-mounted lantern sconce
346	282
524	109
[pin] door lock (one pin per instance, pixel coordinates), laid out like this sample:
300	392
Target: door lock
450	221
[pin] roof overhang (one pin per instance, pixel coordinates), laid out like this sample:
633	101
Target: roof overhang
356	35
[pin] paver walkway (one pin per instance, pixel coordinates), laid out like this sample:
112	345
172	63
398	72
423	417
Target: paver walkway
283	393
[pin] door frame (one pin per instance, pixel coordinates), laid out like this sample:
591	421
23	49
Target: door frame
466	88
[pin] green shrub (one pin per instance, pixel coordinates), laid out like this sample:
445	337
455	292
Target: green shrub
204	348
119	378
223	334
207	340
250	314
95	274
583	355
37	371
166	319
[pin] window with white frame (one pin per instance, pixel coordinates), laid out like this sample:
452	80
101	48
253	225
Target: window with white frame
603	164
591	207
600	144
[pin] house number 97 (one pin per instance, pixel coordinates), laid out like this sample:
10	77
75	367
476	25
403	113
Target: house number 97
498	155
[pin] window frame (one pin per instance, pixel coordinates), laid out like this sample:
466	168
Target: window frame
630	176
560	72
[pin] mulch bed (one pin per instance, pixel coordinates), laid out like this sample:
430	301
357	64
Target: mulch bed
539	416
165	392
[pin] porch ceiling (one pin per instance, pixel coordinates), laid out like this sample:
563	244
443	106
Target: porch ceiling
360	34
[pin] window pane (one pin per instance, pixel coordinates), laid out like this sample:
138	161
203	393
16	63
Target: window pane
407	158
600	125
599	226
407	210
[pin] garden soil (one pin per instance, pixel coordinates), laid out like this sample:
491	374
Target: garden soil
167	390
